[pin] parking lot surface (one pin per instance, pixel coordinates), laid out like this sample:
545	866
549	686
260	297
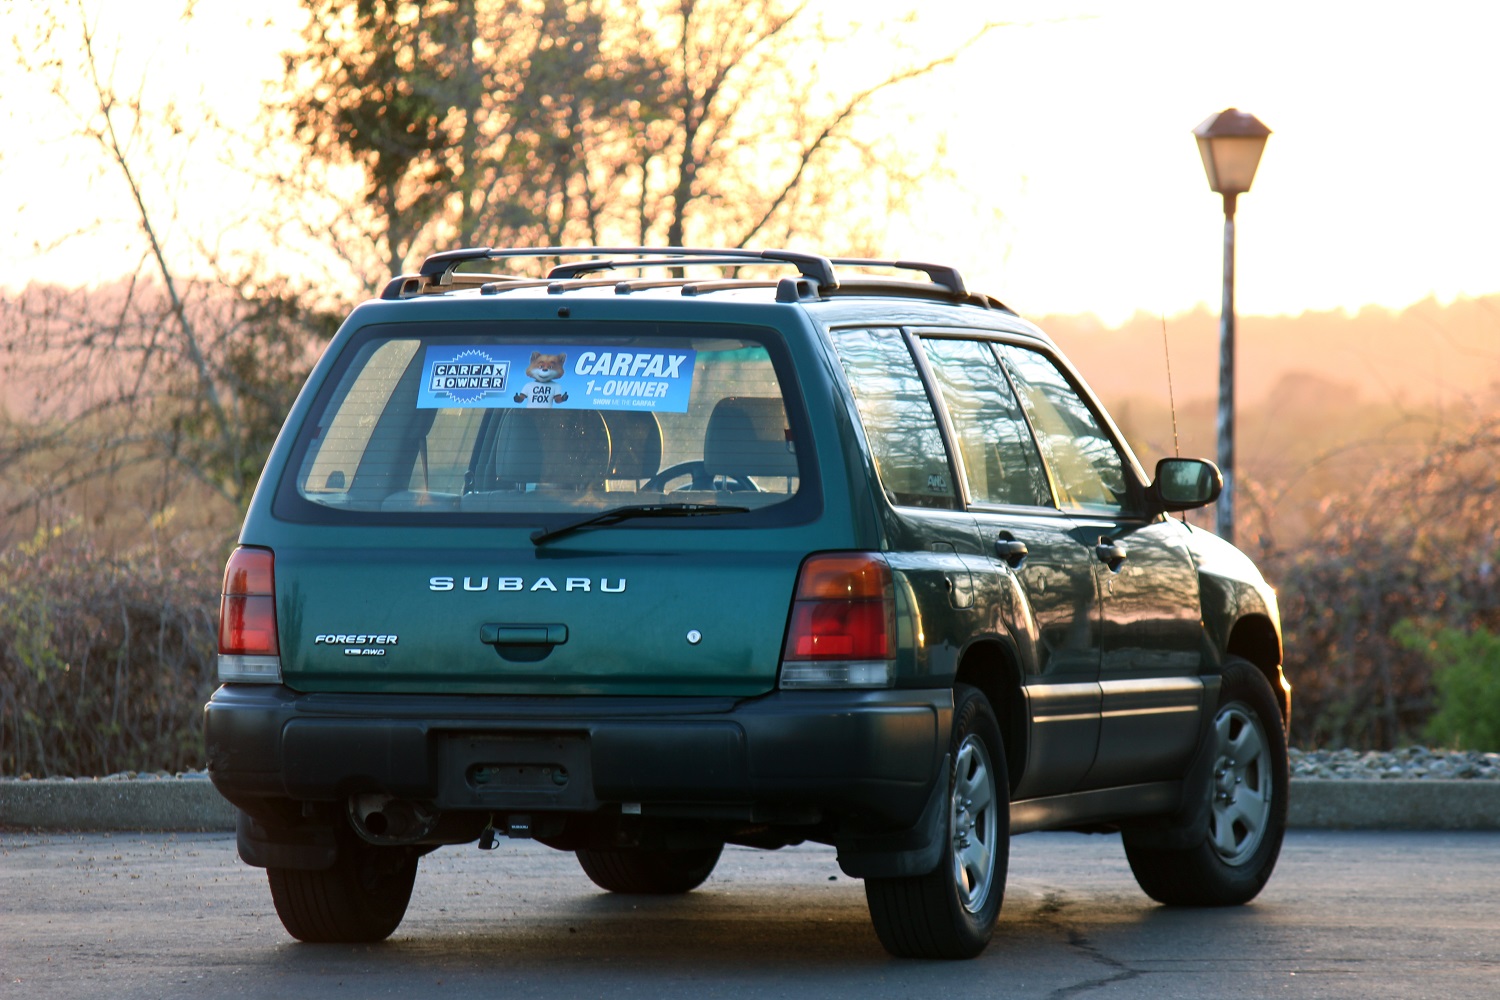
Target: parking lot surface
1348	914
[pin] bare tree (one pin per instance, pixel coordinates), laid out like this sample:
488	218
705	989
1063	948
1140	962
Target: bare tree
187	373
599	121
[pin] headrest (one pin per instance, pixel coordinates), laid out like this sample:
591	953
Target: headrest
747	436
553	447
634	443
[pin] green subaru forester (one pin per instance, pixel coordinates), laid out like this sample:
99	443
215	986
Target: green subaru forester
669	549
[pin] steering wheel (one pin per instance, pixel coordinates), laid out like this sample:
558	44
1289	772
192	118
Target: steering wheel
702	480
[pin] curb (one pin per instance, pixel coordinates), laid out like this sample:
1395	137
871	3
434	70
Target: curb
63	804
1320	804
195	806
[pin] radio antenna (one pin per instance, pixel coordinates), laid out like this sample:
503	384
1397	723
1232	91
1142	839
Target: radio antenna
1171	397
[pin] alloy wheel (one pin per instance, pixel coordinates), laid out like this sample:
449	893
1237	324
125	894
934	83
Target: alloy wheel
1241	784
973	823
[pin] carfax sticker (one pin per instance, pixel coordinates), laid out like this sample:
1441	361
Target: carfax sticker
574	377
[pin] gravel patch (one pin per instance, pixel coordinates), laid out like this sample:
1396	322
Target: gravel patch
1408	763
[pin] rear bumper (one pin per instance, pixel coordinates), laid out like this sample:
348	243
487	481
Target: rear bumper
870	757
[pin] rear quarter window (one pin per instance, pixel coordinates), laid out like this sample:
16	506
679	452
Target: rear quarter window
898	417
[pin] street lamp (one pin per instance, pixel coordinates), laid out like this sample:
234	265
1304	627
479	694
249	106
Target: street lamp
1230	143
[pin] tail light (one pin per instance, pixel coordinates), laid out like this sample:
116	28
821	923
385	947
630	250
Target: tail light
248	651
843	624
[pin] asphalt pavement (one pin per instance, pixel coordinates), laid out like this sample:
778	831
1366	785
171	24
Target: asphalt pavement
168	916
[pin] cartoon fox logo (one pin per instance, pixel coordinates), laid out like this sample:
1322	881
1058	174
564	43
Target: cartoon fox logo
543	370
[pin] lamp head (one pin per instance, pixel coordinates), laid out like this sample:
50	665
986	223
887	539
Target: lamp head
1230	143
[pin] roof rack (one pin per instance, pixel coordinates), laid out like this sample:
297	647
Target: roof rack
438	269
940	274
818	278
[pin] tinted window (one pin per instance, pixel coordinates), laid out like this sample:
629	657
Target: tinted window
897	416
435	423
1001	463
1087	470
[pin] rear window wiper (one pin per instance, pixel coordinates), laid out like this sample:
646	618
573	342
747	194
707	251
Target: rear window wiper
618	514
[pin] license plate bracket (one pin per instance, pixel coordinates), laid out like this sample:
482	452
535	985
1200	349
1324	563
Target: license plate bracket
506	771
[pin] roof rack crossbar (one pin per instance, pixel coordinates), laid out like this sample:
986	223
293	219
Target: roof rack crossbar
438	268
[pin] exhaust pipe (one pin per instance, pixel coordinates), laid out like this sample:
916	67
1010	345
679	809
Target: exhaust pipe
387	821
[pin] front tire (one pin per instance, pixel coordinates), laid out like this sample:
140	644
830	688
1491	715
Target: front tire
649	872
951	911
361	899
1247	804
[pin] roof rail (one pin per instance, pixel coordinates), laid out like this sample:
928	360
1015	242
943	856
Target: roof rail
915	290
940	274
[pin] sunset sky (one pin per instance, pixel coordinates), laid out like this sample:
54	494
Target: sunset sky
1076	184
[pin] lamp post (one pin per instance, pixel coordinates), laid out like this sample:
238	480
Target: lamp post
1230	143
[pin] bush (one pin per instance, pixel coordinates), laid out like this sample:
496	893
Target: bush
1466	675
1411	542
105	662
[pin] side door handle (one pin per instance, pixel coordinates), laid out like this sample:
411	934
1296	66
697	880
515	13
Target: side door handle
1112	554
1013	552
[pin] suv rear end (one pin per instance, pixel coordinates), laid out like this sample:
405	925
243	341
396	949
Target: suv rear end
587	569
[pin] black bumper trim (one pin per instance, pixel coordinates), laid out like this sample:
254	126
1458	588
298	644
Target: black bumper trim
870	755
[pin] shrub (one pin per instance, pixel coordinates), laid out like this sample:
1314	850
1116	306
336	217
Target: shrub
105	662
1466	675
1413	541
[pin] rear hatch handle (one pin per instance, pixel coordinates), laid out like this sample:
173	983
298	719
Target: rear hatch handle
496	634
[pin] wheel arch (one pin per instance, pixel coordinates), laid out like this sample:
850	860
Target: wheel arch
1255	638
992	668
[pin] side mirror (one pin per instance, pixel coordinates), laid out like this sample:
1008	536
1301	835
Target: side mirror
1185	484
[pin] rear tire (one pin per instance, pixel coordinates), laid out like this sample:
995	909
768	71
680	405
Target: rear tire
951	911
361	899
649	872
1247	803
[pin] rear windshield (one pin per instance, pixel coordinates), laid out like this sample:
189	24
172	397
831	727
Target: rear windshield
547	418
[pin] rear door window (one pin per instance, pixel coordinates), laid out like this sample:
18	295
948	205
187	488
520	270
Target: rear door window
429	423
1001	463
